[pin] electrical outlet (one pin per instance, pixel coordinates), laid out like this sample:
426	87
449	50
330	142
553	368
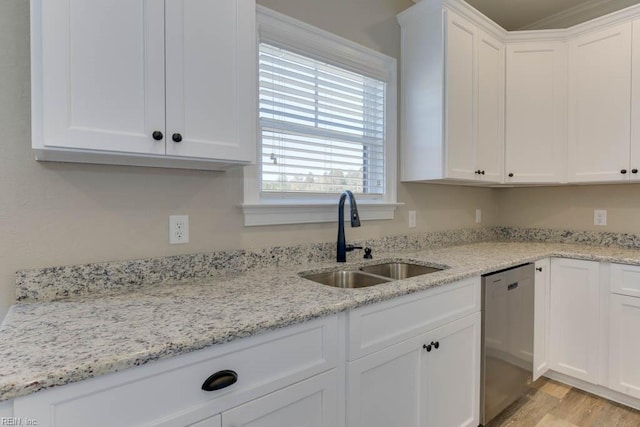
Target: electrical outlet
412	219
599	217
178	229
478	216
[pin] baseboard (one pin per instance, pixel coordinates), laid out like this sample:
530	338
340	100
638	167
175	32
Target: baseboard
598	390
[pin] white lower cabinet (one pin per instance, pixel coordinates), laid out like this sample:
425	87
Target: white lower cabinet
624	324
310	403
624	352
284	378
429	379
542	292
575	318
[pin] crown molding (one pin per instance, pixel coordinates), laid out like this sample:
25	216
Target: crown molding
574	16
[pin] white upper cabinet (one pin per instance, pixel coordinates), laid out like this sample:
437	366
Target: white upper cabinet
634	156
452	112
491	86
536	112
600	106
146	82
460	75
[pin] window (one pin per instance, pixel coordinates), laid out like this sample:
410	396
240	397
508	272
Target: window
327	120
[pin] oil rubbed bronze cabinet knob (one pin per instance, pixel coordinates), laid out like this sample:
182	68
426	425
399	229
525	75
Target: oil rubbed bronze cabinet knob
634	170
176	137
511	175
623	171
157	135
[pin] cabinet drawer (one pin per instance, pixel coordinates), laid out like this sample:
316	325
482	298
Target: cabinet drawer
168	392
377	326
625	279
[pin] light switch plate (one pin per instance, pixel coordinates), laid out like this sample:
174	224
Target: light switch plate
478	216
599	217
412	219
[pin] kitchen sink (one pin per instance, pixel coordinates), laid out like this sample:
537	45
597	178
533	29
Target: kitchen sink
346	279
399	270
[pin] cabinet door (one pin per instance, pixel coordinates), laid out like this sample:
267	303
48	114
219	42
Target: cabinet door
541	318
451	375
461	36
98	75
574	318
635	103
624	371
211	80
536	112
384	387
491	62
310	403
599	105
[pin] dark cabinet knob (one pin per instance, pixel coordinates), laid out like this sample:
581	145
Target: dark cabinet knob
634	170
436	344
511	175
176	137
157	135
539	268
623	171
481	172
427	347
220	380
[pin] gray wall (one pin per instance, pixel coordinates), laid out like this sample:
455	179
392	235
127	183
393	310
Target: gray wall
61	214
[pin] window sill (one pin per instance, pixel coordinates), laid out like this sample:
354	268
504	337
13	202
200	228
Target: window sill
308	213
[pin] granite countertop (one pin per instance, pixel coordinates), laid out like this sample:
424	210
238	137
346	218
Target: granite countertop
51	343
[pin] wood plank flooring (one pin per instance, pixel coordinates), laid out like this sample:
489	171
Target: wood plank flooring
551	404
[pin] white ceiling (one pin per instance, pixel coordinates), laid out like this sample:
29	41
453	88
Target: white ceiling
542	14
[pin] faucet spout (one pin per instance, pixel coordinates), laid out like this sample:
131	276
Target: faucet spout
341	254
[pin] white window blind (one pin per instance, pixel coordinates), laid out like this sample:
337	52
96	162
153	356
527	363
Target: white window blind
322	127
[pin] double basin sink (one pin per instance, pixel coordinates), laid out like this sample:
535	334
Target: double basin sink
371	275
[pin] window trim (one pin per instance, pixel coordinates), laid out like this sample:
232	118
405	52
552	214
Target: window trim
283	31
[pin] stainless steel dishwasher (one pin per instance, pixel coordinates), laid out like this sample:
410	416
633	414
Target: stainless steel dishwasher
507	338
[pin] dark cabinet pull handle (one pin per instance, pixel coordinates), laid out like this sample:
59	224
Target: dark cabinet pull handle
634	170
220	380
176	137
427	347
623	171
511	175
539	268
157	135
435	344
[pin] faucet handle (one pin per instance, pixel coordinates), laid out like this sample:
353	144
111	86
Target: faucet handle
350	248
367	253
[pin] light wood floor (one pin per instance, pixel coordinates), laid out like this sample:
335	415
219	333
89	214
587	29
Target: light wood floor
551	404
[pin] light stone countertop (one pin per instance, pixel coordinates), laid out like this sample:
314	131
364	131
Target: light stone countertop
46	344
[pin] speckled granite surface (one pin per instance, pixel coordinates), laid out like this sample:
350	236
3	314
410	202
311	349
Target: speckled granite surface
45	344
596	238
55	283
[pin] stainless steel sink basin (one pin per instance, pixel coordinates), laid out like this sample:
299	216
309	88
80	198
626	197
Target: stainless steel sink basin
346	279
399	270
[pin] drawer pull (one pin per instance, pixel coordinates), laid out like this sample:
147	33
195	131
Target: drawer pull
220	380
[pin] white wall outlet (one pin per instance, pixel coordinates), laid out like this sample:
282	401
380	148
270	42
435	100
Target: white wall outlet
178	229
599	217
478	216
412	219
